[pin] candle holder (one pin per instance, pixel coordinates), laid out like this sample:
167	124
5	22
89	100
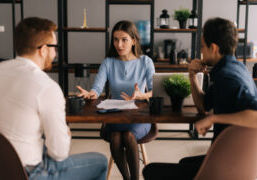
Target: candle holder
164	20
85	19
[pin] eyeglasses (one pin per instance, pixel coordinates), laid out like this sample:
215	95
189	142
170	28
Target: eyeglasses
49	45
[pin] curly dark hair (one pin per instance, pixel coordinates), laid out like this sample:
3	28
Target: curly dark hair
221	32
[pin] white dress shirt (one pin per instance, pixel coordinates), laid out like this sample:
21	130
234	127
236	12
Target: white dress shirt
32	104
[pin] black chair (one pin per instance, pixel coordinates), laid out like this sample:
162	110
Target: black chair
10	165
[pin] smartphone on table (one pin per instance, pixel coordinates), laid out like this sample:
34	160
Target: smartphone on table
105	111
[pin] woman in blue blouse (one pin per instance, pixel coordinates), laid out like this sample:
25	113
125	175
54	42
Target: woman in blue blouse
129	74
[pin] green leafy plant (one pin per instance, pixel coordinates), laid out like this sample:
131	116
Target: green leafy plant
181	14
177	85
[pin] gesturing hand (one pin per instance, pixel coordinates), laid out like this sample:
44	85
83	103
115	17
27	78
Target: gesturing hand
85	94
137	94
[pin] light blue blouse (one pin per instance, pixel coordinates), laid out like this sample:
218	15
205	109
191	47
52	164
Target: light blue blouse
123	75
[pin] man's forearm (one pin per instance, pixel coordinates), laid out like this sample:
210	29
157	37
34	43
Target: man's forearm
197	93
246	118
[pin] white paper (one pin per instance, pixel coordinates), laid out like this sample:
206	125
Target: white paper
119	104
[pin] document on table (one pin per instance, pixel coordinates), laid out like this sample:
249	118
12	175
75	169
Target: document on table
119	104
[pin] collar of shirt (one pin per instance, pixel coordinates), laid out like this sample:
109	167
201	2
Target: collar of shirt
226	59
28	61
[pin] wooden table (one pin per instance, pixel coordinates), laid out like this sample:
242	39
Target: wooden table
141	115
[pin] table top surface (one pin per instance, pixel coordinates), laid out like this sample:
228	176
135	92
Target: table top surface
141	115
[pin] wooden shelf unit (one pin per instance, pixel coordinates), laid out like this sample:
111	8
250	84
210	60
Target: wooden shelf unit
93	68
245	30
241	30
248	60
9	1
249	1
130	2
64	30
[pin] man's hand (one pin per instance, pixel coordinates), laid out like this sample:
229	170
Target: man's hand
137	94
204	125
85	94
196	66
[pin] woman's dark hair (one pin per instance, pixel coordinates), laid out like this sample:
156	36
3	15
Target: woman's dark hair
221	32
131	30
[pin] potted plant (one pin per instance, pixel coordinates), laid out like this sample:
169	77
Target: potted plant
177	86
182	15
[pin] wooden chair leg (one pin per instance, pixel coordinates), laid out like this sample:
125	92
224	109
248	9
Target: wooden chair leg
144	155
109	168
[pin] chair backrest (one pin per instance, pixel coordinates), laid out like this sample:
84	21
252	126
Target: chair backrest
10	164
233	156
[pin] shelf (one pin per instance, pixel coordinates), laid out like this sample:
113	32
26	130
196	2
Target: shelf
175	30
138	2
93	68
249	2
241	30
185	30
166	67
161	61
249	60
9	1
255	79
85	66
80	29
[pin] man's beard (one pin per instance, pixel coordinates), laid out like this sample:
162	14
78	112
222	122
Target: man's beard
48	63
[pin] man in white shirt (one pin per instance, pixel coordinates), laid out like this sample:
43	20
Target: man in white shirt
32	106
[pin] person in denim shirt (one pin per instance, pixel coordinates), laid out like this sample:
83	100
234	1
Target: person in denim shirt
232	95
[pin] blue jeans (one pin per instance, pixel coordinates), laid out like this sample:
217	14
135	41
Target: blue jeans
84	166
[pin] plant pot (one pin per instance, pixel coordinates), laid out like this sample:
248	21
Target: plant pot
177	103
182	24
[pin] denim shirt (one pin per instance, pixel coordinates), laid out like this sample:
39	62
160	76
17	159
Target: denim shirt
231	90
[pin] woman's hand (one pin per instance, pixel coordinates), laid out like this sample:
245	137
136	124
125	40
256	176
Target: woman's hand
85	94
137	94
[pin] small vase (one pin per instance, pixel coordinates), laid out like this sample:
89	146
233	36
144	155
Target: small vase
182	24
172	56
177	103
